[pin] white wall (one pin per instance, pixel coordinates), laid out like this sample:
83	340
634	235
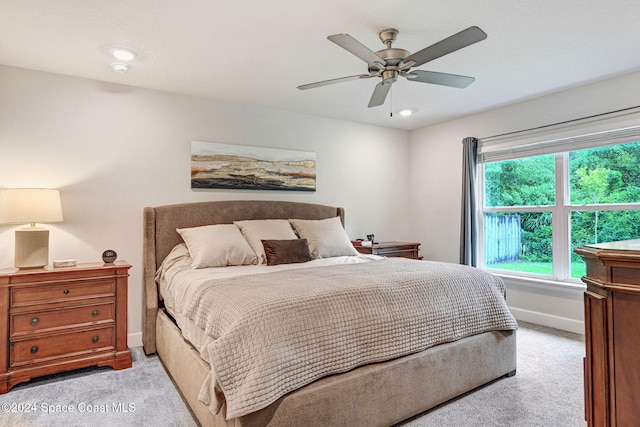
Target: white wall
114	149
436	179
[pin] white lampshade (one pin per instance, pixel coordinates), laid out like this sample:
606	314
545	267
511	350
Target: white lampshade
30	205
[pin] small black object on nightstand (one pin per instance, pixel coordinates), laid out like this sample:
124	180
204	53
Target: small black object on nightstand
109	256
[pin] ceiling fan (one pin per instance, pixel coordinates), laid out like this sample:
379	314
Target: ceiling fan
392	62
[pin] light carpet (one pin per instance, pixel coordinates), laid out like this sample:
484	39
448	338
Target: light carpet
546	391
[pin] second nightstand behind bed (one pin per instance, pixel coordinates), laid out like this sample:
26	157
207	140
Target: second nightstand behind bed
392	249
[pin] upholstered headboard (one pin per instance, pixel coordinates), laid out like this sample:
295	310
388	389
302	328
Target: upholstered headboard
160	236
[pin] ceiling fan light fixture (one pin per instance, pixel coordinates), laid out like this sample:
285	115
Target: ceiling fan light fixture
389	76
405	113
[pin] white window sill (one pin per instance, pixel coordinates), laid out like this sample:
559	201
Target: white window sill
540	282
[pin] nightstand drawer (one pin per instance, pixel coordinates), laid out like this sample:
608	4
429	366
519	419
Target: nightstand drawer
61	292
399	252
25	323
55	346
391	249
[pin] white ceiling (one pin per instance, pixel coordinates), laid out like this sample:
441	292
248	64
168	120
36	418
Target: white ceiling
257	51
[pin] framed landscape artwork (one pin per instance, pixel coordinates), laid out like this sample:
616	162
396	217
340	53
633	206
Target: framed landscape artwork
215	165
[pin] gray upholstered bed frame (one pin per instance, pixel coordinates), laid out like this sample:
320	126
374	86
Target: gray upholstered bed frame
379	394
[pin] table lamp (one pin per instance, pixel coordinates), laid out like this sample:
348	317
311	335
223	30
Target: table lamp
30	205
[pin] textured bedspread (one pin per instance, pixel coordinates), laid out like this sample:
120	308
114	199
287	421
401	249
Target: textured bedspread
277	332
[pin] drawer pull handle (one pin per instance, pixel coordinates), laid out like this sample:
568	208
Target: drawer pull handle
95	313
66	291
35	321
94	339
34	349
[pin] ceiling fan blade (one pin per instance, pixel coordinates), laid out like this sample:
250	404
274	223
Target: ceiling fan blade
457	41
334	81
352	45
443	79
379	94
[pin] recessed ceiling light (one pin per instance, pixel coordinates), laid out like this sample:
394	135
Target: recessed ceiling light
123	54
406	113
119	67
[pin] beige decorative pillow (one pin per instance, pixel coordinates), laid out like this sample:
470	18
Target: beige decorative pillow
286	251
217	246
326	237
257	230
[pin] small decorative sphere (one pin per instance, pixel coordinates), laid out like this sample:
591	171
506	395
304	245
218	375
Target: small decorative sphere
109	256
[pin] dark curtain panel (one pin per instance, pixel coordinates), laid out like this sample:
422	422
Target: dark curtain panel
468	225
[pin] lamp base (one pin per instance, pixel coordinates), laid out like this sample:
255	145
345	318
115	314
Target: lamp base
32	248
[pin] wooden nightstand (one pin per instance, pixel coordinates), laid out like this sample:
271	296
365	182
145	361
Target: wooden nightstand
59	319
391	249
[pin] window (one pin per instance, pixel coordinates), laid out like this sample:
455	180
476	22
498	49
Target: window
538	209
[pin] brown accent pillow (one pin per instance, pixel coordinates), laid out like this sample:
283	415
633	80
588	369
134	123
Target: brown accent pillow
286	251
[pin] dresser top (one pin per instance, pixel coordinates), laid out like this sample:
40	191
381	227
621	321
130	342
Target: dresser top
624	251
80	267
623	245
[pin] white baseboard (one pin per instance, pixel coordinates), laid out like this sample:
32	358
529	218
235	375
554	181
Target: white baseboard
550	320
134	339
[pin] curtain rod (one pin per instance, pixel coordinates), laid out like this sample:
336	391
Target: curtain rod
562	123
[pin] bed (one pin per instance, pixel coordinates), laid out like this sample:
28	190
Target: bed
381	389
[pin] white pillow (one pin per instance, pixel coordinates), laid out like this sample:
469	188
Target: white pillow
217	246
254	231
326	237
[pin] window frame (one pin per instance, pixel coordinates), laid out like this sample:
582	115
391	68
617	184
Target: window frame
560	214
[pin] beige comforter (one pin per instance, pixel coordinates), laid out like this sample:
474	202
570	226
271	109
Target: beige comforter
277	332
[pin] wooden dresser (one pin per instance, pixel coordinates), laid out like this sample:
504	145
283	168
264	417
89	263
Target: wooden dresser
612	333
58	319
392	249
